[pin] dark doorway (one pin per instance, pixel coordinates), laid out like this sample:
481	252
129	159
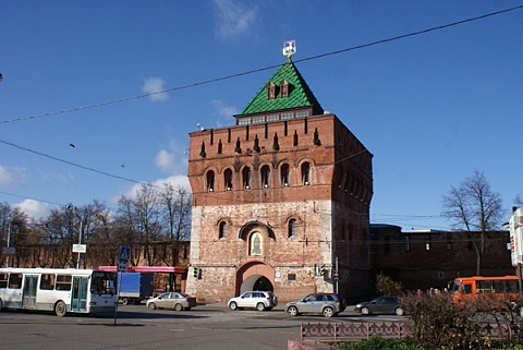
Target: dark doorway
263	284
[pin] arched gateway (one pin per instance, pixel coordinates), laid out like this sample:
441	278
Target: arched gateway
254	276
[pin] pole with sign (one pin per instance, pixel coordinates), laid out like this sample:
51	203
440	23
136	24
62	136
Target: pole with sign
124	254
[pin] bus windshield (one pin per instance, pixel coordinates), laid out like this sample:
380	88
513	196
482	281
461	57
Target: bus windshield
104	282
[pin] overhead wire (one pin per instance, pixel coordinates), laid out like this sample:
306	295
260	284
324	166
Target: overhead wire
236	75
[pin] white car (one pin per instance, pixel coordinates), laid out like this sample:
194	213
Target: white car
258	300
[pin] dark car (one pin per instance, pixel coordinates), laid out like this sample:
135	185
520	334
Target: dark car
326	304
381	305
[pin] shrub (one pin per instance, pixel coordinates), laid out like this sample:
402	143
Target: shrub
438	322
379	343
386	286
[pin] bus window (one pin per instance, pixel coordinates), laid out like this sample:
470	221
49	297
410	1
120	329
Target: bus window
104	283
63	282
466	288
3	280
47	282
512	286
484	287
15	281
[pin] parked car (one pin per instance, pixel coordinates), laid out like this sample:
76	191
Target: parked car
326	304
381	305
258	300
171	300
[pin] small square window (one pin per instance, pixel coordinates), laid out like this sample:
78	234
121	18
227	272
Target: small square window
292	277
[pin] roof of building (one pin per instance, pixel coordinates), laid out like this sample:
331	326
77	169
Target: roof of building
299	93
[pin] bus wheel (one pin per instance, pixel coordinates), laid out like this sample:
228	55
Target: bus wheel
125	301
60	309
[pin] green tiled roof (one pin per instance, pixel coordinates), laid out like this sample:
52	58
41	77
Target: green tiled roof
300	94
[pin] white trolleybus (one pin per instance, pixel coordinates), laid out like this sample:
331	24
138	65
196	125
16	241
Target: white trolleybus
62	291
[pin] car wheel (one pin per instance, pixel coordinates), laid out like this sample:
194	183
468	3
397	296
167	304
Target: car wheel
293	311
152	306
328	312
233	306
178	307
260	307
364	310
60	309
399	311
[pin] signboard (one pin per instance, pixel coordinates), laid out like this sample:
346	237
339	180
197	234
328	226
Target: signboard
8	251
79	248
122	267
124	253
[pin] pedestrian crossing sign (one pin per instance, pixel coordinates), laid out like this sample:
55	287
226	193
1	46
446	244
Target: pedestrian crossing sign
123	254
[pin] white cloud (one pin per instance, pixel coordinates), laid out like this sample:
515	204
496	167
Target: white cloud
153	85
5	176
165	160
11	175
175	180
34	209
232	18
225	111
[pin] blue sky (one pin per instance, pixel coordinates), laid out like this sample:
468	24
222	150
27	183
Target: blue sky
431	108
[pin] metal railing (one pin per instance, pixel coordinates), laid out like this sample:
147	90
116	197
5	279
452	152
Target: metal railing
355	331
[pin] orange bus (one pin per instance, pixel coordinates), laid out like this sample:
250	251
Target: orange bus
467	288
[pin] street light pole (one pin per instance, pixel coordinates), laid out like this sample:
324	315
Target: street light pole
8	244
79	239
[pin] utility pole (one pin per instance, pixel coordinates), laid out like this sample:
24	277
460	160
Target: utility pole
8	244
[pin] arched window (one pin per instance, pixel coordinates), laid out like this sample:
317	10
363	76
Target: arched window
256	244
227	177
222	230
210	181
292	228
285	173
306	173
266	176
246	178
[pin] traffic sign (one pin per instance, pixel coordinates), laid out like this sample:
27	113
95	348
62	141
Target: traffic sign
124	254
122	267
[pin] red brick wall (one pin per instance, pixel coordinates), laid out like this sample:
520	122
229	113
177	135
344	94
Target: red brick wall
331	220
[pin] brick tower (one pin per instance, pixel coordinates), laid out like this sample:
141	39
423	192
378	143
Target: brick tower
280	200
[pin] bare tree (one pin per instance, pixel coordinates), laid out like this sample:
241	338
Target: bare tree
476	209
176	208
519	200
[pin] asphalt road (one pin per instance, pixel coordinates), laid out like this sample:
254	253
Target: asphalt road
211	326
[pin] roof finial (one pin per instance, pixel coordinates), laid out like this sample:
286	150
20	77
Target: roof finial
289	48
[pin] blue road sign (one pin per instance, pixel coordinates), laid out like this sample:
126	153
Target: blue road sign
123	254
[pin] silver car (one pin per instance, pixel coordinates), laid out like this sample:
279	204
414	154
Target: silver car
258	300
326	304
172	300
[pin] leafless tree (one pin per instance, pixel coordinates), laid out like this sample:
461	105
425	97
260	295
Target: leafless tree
176	208
518	200
474	208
